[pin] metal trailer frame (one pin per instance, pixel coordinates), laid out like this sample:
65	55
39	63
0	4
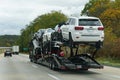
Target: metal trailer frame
47	57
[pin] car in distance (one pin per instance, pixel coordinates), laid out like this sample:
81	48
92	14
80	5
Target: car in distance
7	53
83	30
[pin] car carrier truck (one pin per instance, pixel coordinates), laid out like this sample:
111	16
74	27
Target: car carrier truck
54	53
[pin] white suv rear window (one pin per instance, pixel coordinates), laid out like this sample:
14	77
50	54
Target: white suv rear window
89	22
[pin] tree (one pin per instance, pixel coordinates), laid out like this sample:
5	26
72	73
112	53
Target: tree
96	7
49	20
111	18
109	13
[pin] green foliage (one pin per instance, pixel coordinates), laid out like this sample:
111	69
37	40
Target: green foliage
8	40
110	62
49	20
96	7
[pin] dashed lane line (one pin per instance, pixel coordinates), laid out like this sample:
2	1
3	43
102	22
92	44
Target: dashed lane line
54	77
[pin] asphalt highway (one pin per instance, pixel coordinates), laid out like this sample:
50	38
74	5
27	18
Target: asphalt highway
18	67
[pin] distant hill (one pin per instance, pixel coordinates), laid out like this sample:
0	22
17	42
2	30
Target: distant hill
8	40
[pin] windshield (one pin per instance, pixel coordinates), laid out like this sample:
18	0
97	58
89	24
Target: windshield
89	22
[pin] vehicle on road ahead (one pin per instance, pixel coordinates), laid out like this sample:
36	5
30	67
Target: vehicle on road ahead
15	49
7	53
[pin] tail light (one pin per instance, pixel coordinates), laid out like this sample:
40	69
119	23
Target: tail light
62	54
101	28
63	67
79	28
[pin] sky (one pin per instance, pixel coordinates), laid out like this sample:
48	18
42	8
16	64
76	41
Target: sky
16	14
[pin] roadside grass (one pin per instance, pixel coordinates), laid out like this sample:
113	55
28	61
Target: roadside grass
109	62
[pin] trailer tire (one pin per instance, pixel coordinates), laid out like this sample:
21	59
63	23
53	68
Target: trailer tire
34	60
52	66
31	60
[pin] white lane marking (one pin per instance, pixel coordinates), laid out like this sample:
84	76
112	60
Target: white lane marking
34	66
54	77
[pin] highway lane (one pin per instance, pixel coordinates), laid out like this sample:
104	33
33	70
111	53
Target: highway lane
19	67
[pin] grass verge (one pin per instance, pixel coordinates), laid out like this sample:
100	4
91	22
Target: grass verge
109	62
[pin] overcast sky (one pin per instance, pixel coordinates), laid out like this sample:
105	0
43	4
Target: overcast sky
15	14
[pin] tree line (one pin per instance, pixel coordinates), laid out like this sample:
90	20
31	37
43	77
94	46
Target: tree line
8	40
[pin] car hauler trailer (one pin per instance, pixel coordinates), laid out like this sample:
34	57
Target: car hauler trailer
51	53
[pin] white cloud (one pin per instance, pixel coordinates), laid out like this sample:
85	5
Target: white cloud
15	14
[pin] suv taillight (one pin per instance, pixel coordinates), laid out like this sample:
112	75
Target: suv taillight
101	28
79	28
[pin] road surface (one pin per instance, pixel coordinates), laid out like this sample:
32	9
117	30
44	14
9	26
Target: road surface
19	67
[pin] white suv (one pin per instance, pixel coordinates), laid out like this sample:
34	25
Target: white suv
83	30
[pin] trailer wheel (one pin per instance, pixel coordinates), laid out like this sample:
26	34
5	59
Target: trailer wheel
31	60
35	60
52	65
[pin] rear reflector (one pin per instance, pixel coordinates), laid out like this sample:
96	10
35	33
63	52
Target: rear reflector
79	28
100	28
62	54
63	67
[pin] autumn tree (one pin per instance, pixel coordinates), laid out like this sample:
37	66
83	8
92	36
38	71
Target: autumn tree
111	18
109	13
95	7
